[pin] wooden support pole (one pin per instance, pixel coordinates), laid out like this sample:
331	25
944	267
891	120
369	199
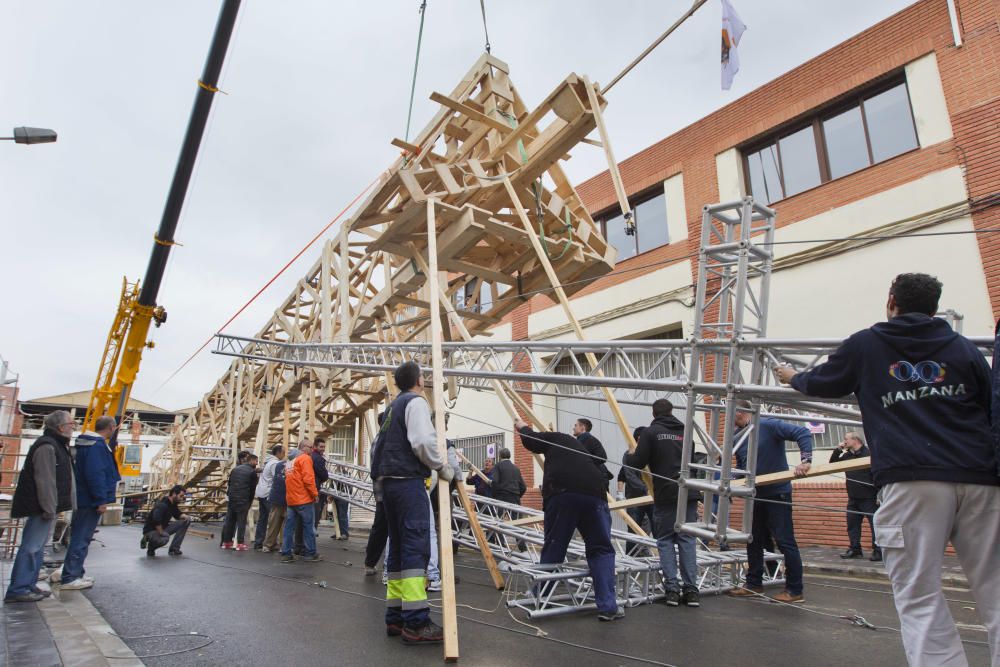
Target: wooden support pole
477	530
616	177
591	359
449	613
286	426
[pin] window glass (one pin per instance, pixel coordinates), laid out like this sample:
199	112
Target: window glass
764	181
651	223
485	297
799	162
615	234
845	142
890	123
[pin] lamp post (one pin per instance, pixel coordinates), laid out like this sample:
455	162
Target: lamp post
32	135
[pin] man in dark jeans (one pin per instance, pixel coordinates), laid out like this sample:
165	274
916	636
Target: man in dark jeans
773	512
574	497
159	527
242	483
860	495
322	475
630	485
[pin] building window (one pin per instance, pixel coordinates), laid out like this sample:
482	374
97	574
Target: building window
650	215
870	128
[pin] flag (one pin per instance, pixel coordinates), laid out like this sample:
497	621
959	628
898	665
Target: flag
732	31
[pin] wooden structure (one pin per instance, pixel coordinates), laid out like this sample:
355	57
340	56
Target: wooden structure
482	157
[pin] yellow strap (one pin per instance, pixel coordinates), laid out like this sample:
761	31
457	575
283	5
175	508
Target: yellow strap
166	243
211	89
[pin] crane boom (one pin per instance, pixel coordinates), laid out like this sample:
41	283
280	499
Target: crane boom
137	307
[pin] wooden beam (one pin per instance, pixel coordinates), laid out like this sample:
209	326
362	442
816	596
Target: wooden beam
468	111
449	613
477	530
815	470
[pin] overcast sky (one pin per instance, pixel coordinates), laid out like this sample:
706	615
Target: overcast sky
316	90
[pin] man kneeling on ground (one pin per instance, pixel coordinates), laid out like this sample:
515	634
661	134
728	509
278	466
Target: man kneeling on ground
159	527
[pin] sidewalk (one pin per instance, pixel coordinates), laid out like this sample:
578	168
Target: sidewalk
827	560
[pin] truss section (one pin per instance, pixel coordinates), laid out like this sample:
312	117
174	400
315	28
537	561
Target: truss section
543	590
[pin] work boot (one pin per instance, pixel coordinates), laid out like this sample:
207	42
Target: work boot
672	598
876	556
23	597
432	633
393	629
606	616
175	552
746	591
690	598
38	591
852	553
288	558
789	598
151	552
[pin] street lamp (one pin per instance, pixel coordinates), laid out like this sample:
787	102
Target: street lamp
32	135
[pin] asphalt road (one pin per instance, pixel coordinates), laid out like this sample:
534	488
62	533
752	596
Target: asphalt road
258	611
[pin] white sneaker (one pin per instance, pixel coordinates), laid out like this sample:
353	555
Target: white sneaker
86	578
76	585
434	587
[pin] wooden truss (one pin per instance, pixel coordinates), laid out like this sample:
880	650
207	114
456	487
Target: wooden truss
508	223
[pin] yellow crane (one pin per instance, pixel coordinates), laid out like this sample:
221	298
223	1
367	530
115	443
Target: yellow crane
137	307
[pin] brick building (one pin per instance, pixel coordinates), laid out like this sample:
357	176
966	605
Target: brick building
893	131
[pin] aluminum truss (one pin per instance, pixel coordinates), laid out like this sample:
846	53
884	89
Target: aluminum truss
543	590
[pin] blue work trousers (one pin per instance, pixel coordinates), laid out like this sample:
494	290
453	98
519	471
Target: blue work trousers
568	512
85	520
408	515
774	519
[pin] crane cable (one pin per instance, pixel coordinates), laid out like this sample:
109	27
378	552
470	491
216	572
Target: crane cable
486	31
416	63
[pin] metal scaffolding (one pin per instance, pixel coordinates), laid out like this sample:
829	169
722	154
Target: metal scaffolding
543	590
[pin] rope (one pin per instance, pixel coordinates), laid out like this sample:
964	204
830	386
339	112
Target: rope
416	62
482	7
270	282
656	42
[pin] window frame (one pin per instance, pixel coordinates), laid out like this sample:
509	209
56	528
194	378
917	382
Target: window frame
815	119
634	201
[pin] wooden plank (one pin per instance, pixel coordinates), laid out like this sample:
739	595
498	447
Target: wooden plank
816	470
449	182
466	110
616	177
449	613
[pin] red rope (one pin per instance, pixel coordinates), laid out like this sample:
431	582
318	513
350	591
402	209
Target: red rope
270	282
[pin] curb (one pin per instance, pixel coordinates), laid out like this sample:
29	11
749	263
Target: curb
954	580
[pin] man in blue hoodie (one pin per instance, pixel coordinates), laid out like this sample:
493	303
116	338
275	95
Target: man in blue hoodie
96	484
924	393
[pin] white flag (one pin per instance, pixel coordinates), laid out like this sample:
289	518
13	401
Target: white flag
732	31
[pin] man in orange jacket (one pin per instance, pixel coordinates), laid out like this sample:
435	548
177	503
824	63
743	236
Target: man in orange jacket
301	494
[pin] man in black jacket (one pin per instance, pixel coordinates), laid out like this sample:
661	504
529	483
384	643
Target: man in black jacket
508	484
159	527
45	487
242	484
574	498
660	448
924	393
598	456
630	485
860	495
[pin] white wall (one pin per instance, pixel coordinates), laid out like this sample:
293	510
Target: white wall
930	110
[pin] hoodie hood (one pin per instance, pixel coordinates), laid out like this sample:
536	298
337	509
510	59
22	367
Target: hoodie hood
89	439
915	334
